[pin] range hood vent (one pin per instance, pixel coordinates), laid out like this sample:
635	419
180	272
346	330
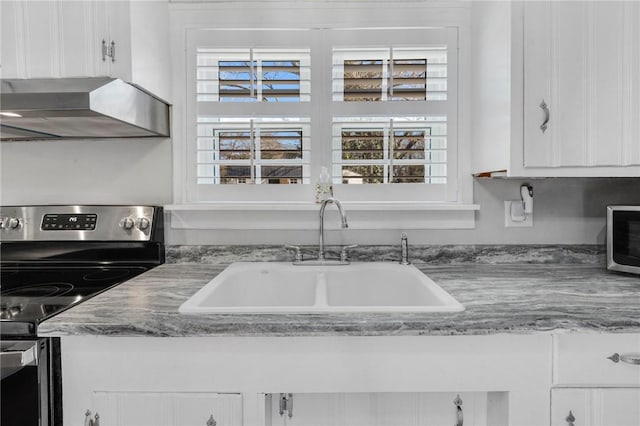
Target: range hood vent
63	108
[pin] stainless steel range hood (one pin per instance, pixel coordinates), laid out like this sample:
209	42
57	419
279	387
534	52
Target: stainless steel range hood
62	108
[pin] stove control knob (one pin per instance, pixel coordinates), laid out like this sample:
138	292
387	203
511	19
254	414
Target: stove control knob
14	311
143	223
126	223
13	223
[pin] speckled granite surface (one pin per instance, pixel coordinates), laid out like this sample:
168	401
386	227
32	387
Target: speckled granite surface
432	255
513	298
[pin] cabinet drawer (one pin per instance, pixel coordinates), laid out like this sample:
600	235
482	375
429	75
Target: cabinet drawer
583	359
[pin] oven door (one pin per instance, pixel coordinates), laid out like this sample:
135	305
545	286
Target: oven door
26	392
623	238
16	355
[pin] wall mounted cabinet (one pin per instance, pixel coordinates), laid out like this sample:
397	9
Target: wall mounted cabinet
572	99
122	39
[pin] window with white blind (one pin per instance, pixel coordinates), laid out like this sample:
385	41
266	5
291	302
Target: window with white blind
376	150
253	75
270	108
253	151
392	73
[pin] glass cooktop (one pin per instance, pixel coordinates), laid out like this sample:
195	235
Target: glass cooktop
34	294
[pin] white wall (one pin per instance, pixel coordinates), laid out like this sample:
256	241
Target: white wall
566	211
124	171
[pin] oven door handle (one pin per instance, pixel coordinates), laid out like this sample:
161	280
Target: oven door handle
14	358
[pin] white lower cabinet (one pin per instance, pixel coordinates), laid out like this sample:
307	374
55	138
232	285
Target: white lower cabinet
596	380
595	407
115	408
380	409
501	380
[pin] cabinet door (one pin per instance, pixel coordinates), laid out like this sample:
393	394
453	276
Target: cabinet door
582	60
595	407
12	39
30	39
383	409
119	39
77	47
167	409
50	39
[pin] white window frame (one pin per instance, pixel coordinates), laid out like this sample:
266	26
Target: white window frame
188	19
239	39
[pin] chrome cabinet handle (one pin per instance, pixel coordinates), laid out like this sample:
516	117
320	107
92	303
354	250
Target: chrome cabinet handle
545	108
570	419
88	421
629	358
104	50
211	421
286	404
458	403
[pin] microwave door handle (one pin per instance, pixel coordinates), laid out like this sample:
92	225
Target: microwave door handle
12	361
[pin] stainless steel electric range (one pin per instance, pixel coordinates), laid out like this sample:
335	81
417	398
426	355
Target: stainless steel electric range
52	258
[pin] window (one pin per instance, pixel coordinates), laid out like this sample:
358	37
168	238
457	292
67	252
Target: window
252	151
271	107
398	74
376	150
253	75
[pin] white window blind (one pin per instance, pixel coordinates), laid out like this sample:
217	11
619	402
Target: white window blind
376	150
393	73
253	151
253	75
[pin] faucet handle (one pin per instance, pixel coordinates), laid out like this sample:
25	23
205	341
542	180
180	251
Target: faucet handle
298	250
404	249
344	254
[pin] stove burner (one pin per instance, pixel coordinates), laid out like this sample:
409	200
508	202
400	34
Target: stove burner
104	275
40	290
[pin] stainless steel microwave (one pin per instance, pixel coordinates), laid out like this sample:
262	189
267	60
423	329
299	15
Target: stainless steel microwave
623	238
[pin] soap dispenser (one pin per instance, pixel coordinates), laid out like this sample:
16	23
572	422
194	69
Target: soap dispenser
324	188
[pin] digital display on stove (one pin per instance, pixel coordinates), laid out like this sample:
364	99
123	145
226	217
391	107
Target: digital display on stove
69	222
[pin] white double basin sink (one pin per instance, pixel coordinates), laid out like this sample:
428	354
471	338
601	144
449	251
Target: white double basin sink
274	287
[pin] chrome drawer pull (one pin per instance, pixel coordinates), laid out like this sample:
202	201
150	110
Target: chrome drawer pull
629	358
211	421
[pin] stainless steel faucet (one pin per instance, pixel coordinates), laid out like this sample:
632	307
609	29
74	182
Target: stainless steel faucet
343	217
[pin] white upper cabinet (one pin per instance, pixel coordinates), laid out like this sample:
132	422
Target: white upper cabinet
582	60
60	38
574	92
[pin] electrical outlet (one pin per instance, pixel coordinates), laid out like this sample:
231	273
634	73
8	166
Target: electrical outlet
510	223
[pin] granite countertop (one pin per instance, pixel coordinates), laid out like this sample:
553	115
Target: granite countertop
514	298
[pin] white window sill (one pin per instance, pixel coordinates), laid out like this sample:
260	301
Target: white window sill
304	215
